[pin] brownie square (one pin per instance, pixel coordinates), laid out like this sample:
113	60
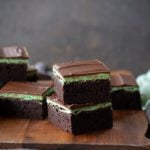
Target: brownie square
24	99
79	118
82	82
13	63
124	91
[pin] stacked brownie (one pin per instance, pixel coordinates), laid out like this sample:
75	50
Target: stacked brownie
82	101
13	64
124	90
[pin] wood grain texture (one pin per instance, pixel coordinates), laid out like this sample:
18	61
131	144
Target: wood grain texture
12	132
127	134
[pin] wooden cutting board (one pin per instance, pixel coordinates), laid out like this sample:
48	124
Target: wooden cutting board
127	134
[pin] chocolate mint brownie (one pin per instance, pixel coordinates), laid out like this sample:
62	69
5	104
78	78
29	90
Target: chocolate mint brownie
13	63
82	82
24	99
79	118
124	91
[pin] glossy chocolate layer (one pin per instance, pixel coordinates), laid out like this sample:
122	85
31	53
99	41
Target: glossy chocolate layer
122	78
80	68
26	88
14	52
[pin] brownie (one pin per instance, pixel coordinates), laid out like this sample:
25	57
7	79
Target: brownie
82	82
24	99
124	91
13	63
31	74
79	118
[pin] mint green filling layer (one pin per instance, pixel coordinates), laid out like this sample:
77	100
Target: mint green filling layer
84	78
91	108
14	61
21	96
26	96
78	110
126	88
101	76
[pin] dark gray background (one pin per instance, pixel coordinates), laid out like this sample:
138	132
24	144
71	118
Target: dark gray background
115	31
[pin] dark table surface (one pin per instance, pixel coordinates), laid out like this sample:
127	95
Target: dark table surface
127	134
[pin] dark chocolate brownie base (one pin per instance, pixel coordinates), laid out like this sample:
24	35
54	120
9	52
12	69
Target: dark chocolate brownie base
84	122
14	72
126	100
83	92
23	109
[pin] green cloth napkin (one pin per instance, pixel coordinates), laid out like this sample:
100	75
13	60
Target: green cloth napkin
144	85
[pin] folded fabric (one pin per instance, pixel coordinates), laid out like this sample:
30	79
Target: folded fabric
143	81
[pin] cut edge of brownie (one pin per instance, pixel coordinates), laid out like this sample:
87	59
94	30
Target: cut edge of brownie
23	109
122	99
12	72
77	123
83	92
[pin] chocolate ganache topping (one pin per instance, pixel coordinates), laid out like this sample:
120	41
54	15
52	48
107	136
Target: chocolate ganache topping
14	52
24	88
122	78
81	68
